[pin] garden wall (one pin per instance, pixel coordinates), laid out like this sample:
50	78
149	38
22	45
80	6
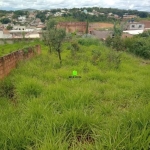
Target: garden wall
9	62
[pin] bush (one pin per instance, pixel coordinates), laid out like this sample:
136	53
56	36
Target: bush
136	45
116	43
139	46
75	45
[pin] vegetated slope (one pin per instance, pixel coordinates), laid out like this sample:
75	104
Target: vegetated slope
108	108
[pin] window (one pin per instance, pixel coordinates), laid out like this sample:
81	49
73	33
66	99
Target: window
140	26
133	26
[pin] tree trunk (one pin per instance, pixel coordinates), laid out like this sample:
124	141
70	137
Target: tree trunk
50	49
59	56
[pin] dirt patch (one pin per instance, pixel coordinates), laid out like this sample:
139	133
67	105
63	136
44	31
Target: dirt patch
144	63
99	25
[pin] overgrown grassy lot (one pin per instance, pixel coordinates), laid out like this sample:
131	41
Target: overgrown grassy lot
8	48
108	108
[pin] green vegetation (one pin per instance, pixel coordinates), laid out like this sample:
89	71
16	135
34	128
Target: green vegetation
5	20
8	48
54	37
41	15
18	13
138	45
108	108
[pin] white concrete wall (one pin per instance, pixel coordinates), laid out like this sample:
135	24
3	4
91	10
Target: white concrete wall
5	36
136	26
1	34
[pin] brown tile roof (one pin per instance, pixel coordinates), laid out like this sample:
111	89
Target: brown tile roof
146	23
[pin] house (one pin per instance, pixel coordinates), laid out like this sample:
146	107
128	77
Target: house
146	24
32	35
4	34
37	20
116	16
110	14
58	14
31	15
90	13
101	13
134	26
5	26
63	11
127	17
17	27
22	18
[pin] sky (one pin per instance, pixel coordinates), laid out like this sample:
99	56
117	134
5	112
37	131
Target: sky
141	5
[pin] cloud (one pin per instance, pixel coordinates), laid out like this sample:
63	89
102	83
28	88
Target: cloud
49	4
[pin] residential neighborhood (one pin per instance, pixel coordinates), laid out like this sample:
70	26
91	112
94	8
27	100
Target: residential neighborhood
31	23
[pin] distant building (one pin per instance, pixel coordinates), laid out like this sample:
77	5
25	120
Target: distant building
90	13
73	26
22	18
146	24
22	28
4	34
127	17
133	32
110	14
31	15
58	14
135	26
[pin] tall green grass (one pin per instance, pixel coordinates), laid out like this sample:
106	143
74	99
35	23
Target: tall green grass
8	48
107	108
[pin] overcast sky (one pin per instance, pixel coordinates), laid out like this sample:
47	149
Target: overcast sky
142	5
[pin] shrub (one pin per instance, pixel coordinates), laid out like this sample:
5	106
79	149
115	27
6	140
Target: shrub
136	45
75	45
116	43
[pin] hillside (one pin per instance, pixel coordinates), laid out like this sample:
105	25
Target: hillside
28	9
107	108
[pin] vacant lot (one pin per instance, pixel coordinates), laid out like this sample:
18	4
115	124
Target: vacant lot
41	108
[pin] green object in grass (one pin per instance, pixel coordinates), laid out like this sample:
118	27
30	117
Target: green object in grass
74	73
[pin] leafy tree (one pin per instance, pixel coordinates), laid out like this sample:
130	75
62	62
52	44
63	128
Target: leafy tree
54	37
143	14
5	20
42	16
9	27
19	13
117	31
